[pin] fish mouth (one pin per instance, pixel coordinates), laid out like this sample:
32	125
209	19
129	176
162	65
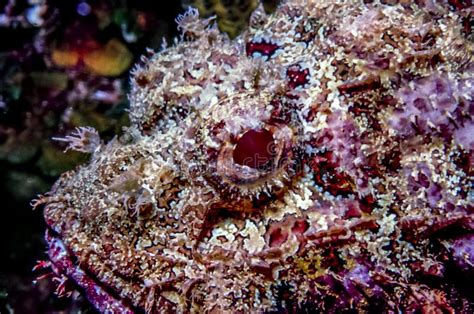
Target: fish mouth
63	263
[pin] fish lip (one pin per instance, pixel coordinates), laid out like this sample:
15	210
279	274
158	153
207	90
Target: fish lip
97	293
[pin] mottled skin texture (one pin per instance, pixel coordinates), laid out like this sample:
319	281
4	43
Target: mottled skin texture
362	200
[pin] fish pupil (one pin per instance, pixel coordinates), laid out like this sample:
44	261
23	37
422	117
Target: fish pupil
255	149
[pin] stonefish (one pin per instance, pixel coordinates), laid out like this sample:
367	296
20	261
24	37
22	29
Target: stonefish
321	161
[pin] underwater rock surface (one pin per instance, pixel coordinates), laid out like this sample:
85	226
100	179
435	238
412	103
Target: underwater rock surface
321	160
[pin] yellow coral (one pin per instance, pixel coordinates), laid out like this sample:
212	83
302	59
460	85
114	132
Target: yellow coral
111	60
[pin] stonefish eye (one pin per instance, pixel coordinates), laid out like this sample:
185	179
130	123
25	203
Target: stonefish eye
255	149
241	151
